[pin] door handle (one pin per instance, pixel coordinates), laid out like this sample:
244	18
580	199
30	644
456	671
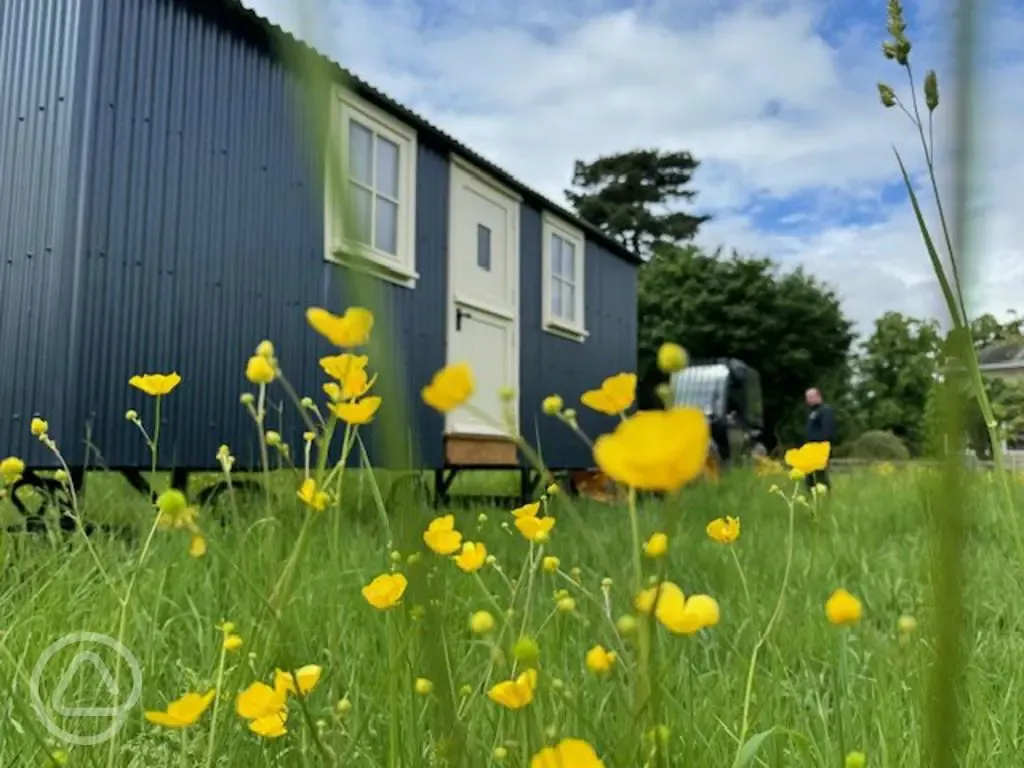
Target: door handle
460	313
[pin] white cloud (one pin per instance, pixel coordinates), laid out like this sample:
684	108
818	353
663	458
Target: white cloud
534	85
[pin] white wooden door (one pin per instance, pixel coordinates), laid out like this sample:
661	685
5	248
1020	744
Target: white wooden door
483	296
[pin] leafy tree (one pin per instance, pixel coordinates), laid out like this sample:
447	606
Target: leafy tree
1007	398
987	329
630	195
787	325
897	369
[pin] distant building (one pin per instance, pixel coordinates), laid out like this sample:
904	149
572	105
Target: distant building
163	208
1005	360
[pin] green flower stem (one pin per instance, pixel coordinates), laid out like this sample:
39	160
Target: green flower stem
277	596
393	717
743	578
218	690
643	689
840	682
122	622
776	613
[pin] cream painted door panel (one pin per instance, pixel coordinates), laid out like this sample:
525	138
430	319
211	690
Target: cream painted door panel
483	301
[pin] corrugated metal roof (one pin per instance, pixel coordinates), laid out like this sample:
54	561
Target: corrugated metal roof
421	124
1005	353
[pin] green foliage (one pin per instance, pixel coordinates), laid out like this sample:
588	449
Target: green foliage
875	540
1007	398
787	325
988	329
626	194
897	369
879	445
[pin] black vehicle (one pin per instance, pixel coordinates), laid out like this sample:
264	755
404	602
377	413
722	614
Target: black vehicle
729	393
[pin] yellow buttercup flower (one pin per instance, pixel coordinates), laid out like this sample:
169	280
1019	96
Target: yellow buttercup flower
656	546
357	412
38	427
527	510
351	380
156	384
311	497
724	530
385	591
676	613
441	535
568	753
307	677
197	545
451	387
515	694
232	642
11	469
259	370
182	712
655	450
351	329
600	661
340	367
550	564
808	458
842	608
616	394
265	708
472	557
533	528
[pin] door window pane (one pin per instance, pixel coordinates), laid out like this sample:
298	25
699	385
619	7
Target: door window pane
483	247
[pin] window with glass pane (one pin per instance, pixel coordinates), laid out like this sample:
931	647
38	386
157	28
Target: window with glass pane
373	162
483	247
563	279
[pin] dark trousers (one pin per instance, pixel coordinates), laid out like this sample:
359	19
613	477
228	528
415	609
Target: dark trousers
820	477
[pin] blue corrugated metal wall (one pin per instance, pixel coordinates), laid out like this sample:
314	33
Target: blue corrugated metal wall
553	365
205	235
42	95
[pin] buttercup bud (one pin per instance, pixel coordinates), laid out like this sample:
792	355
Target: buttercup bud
526	651
671	358
552	405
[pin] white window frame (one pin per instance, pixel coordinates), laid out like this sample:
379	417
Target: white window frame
401	267
556	325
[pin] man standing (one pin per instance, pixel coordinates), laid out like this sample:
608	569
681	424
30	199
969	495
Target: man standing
821	428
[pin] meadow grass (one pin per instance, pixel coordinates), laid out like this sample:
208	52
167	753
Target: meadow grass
872	537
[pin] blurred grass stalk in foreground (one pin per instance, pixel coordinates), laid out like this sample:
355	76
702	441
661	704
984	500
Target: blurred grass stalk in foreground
962	385
394	435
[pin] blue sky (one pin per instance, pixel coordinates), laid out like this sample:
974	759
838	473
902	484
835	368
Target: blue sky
776	98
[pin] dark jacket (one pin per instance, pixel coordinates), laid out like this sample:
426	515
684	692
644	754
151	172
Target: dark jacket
821	424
